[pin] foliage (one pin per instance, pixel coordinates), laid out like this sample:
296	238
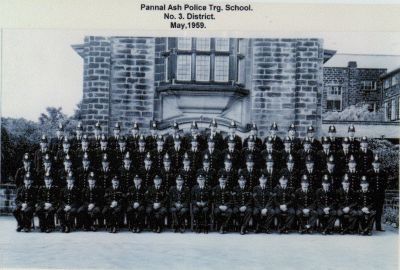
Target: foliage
391	217
358	112
389	155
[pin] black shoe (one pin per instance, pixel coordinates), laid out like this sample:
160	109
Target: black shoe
369	233
221	230
42	229
380	230
182	229
138	230
175	230
49	230
27	229
242	230
158	229
114	230
67	229
19	228
93	228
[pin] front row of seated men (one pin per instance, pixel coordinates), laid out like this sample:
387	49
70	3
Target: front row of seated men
304	209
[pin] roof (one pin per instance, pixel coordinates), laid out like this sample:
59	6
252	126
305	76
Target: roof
389	62
390	73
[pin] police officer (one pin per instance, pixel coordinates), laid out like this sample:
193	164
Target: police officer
126	172
258	143
114	139
105	173
170	138
64	172
56	143
157	203
179	200
209	174
291	173
295	141
307	151
229	171
335	141
148	171
95	140
222	198
104	150
195	155
76	141
236	138
140	153
251	172
92	204
168	172
176	152
70	201
354	143
270	152
284	205
84	150
195	135
114	203
250	150
41	153
233	153
264	206
324	154
313	175
378	179
305	207
277	143
315	144
187	172
136	205
201	203
120	152
151	140
64	152
213	154
347	202
332	173
48	168
270	172
366	208
47	204
326	203
353	174
133	138
219	140
25	204
243	202
365	156
22	171
84	171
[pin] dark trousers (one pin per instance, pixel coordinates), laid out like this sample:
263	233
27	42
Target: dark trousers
242	218
135	216
46	217
304	220
263	221
87	218
179	216
285	218
378	216
24	217
67	218
348	220
201	215
113	215
156	216
222	217
366	221
327	221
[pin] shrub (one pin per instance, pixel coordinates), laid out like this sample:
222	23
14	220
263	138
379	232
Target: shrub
358	112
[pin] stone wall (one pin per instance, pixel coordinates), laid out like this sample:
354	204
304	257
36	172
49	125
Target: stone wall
286	83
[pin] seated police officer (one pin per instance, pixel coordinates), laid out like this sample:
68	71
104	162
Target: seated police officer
264	212
222	198
47	204
366	208
179	198
136	204
305	203
347	202
114	202
201	196
283	197
25	204
326	203
243	199
69	204
156	198
92	203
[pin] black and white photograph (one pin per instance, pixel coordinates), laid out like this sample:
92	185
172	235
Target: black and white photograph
124	150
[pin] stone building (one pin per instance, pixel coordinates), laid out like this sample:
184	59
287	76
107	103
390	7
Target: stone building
346	86
391	95
258	80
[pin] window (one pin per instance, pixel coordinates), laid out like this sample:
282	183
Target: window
368	85
203	44
387	83
388	106
202	68
396	79
221	68
398	108
393	109
334	98
222	44
184	43
333	105
184	67
215	60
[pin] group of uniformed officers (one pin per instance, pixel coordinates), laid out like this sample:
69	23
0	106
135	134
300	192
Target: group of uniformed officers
197	179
